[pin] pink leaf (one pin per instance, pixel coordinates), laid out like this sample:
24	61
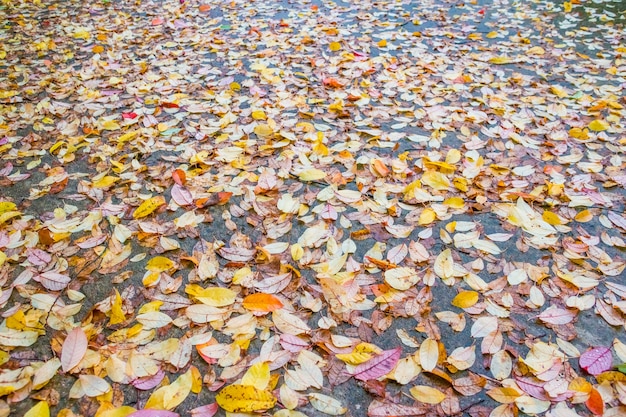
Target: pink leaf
532	387
148	382
53	281
74	349
293	343
92	242
208	410
181	195
555	315
617	220
596	360
38	257
153	413
328	213
379	366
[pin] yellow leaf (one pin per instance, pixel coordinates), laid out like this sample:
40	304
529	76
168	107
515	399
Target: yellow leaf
127	136
454	202
97	49
500	60
3	258
465	299
567	6
355	357
475	36
110	125
427	216
170	396
105	182
149	206
536	50
7	206
436	180
492	35
334	46
312	174
259	115
551	218
558	91
584	216
215	296
159	264
382	43
8	93
41	409
8	216
297	252
258	376
122	411
196	380
239	398
504	395
598	125
263	130
428	395
117	314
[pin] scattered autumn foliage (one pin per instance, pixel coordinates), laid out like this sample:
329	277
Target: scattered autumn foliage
292	208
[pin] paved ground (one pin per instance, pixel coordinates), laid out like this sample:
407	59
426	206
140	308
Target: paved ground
392	172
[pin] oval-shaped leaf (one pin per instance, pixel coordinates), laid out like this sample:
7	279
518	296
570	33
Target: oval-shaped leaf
239	398
148	207
429	354
262	302
327	405
181	195
426	394
74	348
596	360
379	365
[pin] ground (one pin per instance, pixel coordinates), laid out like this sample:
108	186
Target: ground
311	207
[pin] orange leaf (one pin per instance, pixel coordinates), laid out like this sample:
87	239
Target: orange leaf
380	168
594	403
214	199
179	177
262	302
332	82
203	8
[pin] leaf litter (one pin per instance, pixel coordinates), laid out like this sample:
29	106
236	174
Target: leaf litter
248	205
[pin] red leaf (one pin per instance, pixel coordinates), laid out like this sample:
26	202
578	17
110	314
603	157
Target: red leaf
181	195
596	360
379	366
594	403
130	115
74	349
